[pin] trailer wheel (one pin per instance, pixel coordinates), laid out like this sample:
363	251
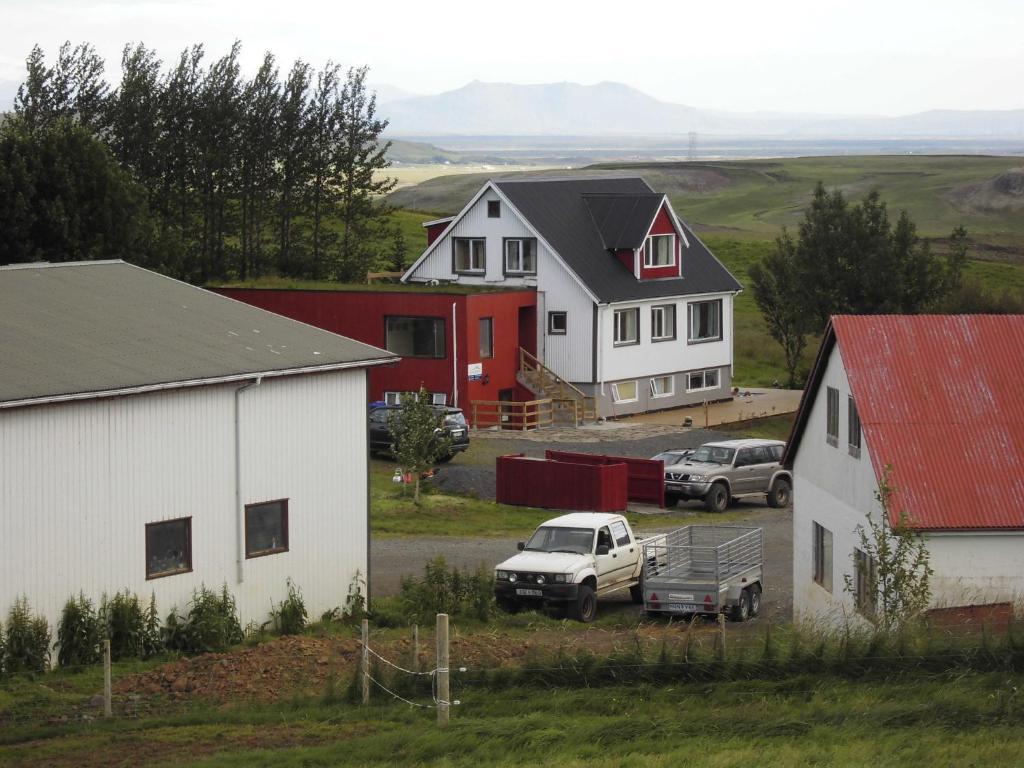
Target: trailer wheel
755	599
741	611
585	608
717	499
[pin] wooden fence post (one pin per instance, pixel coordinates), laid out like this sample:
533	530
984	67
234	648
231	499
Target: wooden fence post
415	647
443	688
107	693
365	661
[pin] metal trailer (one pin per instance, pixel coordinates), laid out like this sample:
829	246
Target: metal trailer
704	569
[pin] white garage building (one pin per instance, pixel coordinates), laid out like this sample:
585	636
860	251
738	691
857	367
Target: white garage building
155	437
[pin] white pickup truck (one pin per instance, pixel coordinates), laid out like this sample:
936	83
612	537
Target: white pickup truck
571	561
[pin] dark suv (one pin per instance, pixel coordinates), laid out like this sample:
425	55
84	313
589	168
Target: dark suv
451	420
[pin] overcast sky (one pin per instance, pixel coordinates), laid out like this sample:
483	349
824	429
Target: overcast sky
827	56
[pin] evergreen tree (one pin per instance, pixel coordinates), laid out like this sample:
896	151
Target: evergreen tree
293	157
134	116
321	188
32	103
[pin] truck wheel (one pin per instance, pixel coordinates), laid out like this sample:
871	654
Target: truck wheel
636	593
508	606
741	611
585	608
671	500
446	458
755	599
717	499
780	494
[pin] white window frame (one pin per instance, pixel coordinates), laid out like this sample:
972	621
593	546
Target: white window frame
663	310
615	392
474	253
671	386
393	398
649	251
520	242
691	309
704	378
618	342
439	398
565	320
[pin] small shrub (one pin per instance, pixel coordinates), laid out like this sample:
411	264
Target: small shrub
355	601
451	591
152	640
26	640
290	616
125	626
211	624
79	634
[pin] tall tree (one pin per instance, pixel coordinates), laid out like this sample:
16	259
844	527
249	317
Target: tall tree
361	156
32	103
293	158
134	115
321	188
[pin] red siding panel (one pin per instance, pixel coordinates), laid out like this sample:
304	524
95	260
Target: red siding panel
645	477
662	226
939	398
524	481
434	231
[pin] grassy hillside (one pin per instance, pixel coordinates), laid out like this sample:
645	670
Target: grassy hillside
756	198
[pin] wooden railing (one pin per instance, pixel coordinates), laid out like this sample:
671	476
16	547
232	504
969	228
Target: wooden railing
558	389
507	414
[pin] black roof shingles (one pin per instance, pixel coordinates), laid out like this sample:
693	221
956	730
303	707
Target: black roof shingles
583	218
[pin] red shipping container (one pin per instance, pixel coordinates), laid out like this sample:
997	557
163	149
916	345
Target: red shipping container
529	482
646	483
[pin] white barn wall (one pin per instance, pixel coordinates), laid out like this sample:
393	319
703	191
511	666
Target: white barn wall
977	567
81	480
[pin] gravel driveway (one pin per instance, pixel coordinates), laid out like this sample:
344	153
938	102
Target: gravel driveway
473	473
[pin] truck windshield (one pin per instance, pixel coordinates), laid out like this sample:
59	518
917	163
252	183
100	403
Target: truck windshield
578	541
670	457
713	454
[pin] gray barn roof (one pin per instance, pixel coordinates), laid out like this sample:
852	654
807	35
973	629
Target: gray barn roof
82	329
570	216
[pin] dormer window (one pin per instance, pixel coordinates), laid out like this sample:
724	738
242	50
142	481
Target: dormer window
660	251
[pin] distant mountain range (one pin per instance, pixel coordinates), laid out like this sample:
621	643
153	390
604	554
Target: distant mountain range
559	109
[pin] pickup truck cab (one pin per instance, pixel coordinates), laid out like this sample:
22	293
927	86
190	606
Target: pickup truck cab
570	561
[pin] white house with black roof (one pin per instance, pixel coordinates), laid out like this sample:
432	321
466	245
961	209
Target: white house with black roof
155	436
632	307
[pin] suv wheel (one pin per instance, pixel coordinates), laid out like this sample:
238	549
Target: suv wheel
717	499
671	500
780	494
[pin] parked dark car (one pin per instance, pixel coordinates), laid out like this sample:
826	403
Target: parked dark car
451	420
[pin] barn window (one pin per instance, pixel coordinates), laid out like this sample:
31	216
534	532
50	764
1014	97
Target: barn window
822	556
266	528
660	251
698	380
469	254
557	323
168	547
705	322
865	582
415	336
494	209
832	416
854	425
520	256
486	337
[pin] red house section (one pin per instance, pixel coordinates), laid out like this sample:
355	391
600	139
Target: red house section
662	226
460	319
435	228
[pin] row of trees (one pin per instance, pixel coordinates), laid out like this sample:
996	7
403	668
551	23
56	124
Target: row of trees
850	259
240	177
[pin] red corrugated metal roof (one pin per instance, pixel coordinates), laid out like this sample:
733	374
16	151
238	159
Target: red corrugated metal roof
941	400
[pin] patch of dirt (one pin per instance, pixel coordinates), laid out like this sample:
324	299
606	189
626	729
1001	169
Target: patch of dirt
1004	192
267	672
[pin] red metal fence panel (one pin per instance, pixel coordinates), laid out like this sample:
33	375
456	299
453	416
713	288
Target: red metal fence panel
646	477
531	482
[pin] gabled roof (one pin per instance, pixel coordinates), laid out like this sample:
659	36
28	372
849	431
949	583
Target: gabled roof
623	220
89	329
939	398
562	212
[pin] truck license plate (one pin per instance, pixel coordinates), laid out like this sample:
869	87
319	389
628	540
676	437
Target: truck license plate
685	607
530	592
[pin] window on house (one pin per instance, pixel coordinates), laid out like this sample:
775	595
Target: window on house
558	323
266	528
391	398
698	380
470	254
494	209
624	392
627	326
832	416
521	256
168	547
865	582
705	321
660	251
415	336
439	398
486	337
853	419
663	386
663	322
822	554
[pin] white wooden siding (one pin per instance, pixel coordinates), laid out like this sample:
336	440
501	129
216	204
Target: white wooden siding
81	480
654	358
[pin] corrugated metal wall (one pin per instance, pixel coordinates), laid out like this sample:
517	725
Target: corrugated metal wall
81	480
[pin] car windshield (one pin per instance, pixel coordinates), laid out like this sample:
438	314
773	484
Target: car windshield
713	454
549	539
670	457
455	420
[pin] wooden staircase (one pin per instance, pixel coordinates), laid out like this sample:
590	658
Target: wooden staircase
569	404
